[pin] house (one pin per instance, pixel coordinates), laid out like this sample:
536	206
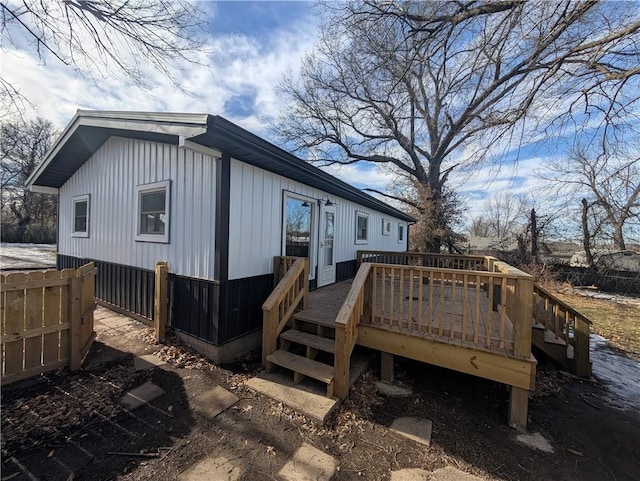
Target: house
214	201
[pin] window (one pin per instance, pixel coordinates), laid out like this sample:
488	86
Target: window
400	232
386	227
80	216
362	227
298	222
153	212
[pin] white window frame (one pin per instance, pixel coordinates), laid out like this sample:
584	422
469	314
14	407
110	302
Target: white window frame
364	215
386	226
165	186
75	201
402	228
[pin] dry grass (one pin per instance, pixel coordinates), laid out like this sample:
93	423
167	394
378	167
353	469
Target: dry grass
618	323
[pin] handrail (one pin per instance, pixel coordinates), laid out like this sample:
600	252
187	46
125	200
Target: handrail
566	324
356	305
454	261
289	294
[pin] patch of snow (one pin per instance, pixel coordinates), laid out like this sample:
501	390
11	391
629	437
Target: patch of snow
23	256
535	441
620	374
619	298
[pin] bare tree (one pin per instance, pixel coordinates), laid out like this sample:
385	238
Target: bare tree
26	216
118	38
505	213
609	185
429	87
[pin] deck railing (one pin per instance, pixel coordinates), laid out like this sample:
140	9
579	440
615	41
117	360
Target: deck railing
566	324
356	305
476	308
289	295
440	261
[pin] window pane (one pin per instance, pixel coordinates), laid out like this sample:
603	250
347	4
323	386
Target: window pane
153	201
329	229
361	230
80	216
298	227
152	224
81	209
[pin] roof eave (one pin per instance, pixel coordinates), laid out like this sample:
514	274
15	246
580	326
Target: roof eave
179	125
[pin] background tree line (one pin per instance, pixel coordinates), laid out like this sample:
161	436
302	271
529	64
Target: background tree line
26	216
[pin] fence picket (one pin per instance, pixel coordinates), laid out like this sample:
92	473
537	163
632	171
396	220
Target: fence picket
51	342
33	319
14	322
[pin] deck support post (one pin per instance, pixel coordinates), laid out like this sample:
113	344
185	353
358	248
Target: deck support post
161	300
522	320
386	367
518	408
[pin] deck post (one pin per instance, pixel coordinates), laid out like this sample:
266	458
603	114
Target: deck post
518	408
581	349
341	366
386	367
75	323
161	300
522	323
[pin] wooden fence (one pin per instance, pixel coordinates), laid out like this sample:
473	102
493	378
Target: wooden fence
47	320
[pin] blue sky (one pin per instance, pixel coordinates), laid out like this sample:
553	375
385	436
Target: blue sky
249	47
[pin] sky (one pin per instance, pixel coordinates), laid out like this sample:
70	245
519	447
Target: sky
249	48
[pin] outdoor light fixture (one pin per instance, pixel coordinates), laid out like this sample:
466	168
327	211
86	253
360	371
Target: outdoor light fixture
326	201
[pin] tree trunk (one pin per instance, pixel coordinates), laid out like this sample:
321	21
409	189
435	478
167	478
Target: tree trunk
618	238
586	237
534	235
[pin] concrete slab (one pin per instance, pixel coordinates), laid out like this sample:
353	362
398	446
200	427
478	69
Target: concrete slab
410	474
392	390
279	385
416	429
140	395
219	468
449	473
308	464
147	361
213	402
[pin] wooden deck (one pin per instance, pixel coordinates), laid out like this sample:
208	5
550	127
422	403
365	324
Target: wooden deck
471	314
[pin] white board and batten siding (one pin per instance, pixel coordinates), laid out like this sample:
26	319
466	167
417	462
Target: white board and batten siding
110	177
256	218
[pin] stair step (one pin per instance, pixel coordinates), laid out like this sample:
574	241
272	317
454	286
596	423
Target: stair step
308	367
313	317
311	340
550	337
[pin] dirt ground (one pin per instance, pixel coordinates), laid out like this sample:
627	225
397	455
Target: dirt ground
65	426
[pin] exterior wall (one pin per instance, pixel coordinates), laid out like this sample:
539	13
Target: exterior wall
256	217
111	175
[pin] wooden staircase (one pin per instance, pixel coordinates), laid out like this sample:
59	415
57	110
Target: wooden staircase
307	350
561	332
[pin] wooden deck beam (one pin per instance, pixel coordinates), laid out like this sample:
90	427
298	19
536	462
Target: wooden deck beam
496	367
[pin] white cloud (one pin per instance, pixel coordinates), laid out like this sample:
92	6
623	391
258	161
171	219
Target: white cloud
236	65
